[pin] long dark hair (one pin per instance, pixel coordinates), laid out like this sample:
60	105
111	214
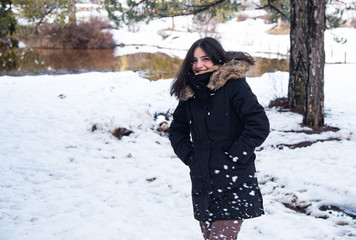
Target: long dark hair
214	51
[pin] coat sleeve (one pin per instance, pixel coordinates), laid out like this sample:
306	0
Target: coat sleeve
179	134
254	120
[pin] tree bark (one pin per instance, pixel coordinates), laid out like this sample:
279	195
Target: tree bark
307	59
315	86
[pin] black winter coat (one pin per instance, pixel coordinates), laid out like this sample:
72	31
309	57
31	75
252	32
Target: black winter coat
215	133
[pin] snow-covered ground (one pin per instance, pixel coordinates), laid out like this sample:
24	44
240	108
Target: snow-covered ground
61	180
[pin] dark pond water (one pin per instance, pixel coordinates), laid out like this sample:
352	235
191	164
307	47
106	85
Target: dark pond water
18	62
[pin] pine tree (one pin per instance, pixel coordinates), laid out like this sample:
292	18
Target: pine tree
37	11
7	19
146	10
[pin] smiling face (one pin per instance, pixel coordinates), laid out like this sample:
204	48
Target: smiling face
201	62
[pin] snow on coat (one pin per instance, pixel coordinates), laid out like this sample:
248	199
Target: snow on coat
216	138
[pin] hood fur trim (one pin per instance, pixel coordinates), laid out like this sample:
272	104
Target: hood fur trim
230	70
188	93
212	69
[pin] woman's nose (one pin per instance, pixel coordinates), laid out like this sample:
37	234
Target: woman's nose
199	64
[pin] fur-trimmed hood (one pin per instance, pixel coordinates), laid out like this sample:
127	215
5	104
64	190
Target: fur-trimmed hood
230	70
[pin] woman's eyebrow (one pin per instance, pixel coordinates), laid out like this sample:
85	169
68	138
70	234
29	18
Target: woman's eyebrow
205	56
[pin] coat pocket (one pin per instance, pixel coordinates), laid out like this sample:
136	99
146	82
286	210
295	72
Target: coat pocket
194	162
241	153
234	162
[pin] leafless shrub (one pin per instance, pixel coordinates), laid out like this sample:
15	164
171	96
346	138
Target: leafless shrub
353	22
206	27
241	17
267	19
83	35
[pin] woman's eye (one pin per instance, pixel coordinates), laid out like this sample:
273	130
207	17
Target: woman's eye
194	61
206	59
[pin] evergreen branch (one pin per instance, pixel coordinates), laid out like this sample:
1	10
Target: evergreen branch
187	10
270	6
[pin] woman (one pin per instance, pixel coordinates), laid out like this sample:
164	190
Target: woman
216	126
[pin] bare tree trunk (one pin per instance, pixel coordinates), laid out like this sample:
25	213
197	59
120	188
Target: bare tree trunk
315	86
298	65
307	59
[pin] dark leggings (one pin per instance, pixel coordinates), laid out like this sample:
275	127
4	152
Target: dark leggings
221	230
